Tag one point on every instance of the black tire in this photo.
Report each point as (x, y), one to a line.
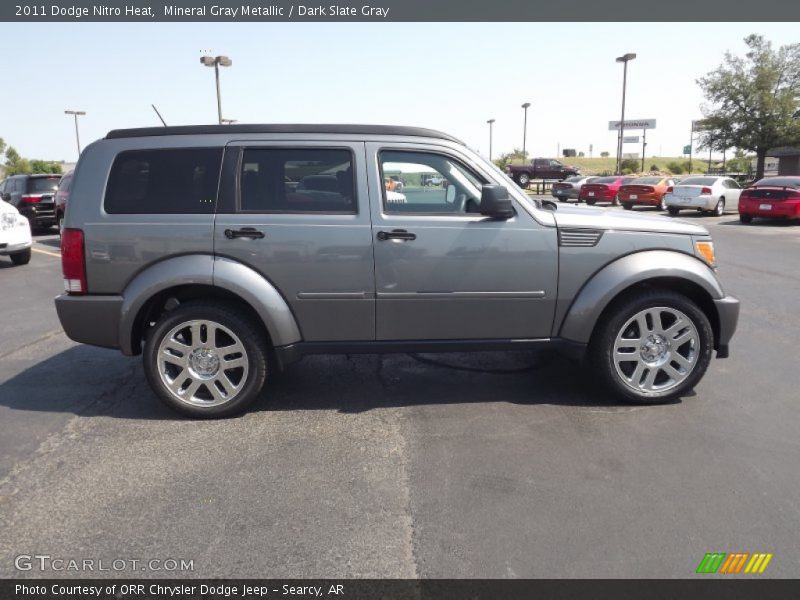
(21, 258)
(627, 206)
(523, 180)
(230, 317)
(719, 209)
(601, 347)
(590, 203)
(662, 205)
(746, 219)
(673, 211)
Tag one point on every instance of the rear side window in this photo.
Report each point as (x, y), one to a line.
(169, 181)
(293, 180)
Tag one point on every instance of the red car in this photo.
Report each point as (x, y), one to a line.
(647, 191)
(62, 194)
(604, 189)
(772, 198)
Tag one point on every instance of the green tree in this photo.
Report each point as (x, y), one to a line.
(15, 164)
(754, 100)
(45, 166)
(516, 156)
(604, 155)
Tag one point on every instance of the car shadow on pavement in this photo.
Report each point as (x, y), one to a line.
(53, 243)
(89, 381)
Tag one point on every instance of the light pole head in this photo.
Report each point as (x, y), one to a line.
(526, 105)
(490, 121)
(78, 113)
(224, 61)
(207, 61)
(626, 57)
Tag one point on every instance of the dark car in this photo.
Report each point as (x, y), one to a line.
(604, 189)
(771, 198)
(541, 168)
(62, 195)
(34, 197)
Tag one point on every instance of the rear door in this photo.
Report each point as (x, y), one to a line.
(442, 270)
(298, 213)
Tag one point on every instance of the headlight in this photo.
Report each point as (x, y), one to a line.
(8, 221)
(705, 250)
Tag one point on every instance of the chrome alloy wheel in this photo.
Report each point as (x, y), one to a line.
(202, 363)
(656, 349)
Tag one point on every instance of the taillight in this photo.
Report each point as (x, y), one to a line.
(73, 261)
(669, 190)
(705, 190)
(29, 199)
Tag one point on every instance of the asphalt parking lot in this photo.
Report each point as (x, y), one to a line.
(370, 466)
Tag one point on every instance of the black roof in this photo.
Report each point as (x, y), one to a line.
(281, 128)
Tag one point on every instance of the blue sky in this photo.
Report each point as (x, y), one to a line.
(449, 76)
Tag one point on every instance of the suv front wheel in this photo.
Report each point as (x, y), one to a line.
(206, 359)
(653, 347)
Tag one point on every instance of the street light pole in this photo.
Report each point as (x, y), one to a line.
(76, 114)
(525, 131)
(217, 62)
(623, 59)
(691, 143)
(491, 123)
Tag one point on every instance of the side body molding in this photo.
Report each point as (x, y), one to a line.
(262, 296)
(205, 269)
(612, 279)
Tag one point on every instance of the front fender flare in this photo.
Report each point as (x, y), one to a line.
(629, 270)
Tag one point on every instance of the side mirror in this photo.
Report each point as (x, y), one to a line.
(495, 202)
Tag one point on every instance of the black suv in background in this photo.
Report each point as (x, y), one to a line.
(33, 196)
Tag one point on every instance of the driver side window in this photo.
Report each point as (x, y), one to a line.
(426, 183)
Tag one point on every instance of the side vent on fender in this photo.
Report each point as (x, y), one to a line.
(579, 238)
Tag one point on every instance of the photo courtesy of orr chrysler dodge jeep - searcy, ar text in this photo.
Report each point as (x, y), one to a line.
(220, 253)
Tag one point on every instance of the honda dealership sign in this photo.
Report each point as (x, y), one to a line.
(633, 124)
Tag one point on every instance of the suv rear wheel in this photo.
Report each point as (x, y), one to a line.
(653, 347)
(523, 179)
(206, 359)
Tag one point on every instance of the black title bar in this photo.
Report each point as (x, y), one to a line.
(148, 11)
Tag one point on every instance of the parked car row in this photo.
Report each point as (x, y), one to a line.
(39, 197)
(770, 197)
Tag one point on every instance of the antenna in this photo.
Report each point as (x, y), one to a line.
(159, 115)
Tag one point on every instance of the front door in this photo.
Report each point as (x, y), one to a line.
(442, 270)
(298, 213)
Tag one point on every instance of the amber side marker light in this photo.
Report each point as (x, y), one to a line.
(706, 250)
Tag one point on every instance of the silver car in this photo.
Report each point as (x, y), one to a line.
(570, 188)
(196, 248)
(707, 194)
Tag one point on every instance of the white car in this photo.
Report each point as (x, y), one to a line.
(396, 198)
(705, 193)
(15, 235)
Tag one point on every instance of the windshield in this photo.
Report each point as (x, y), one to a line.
(699, 181)
(43, 184)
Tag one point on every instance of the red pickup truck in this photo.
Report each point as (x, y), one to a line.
(540, 168)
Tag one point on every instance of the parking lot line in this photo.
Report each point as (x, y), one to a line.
(40, 251)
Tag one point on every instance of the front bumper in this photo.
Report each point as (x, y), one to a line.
(6, 249)
(90, 320)
(15, 239)
(728, 314)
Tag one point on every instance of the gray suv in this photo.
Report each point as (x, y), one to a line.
(221, 253)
